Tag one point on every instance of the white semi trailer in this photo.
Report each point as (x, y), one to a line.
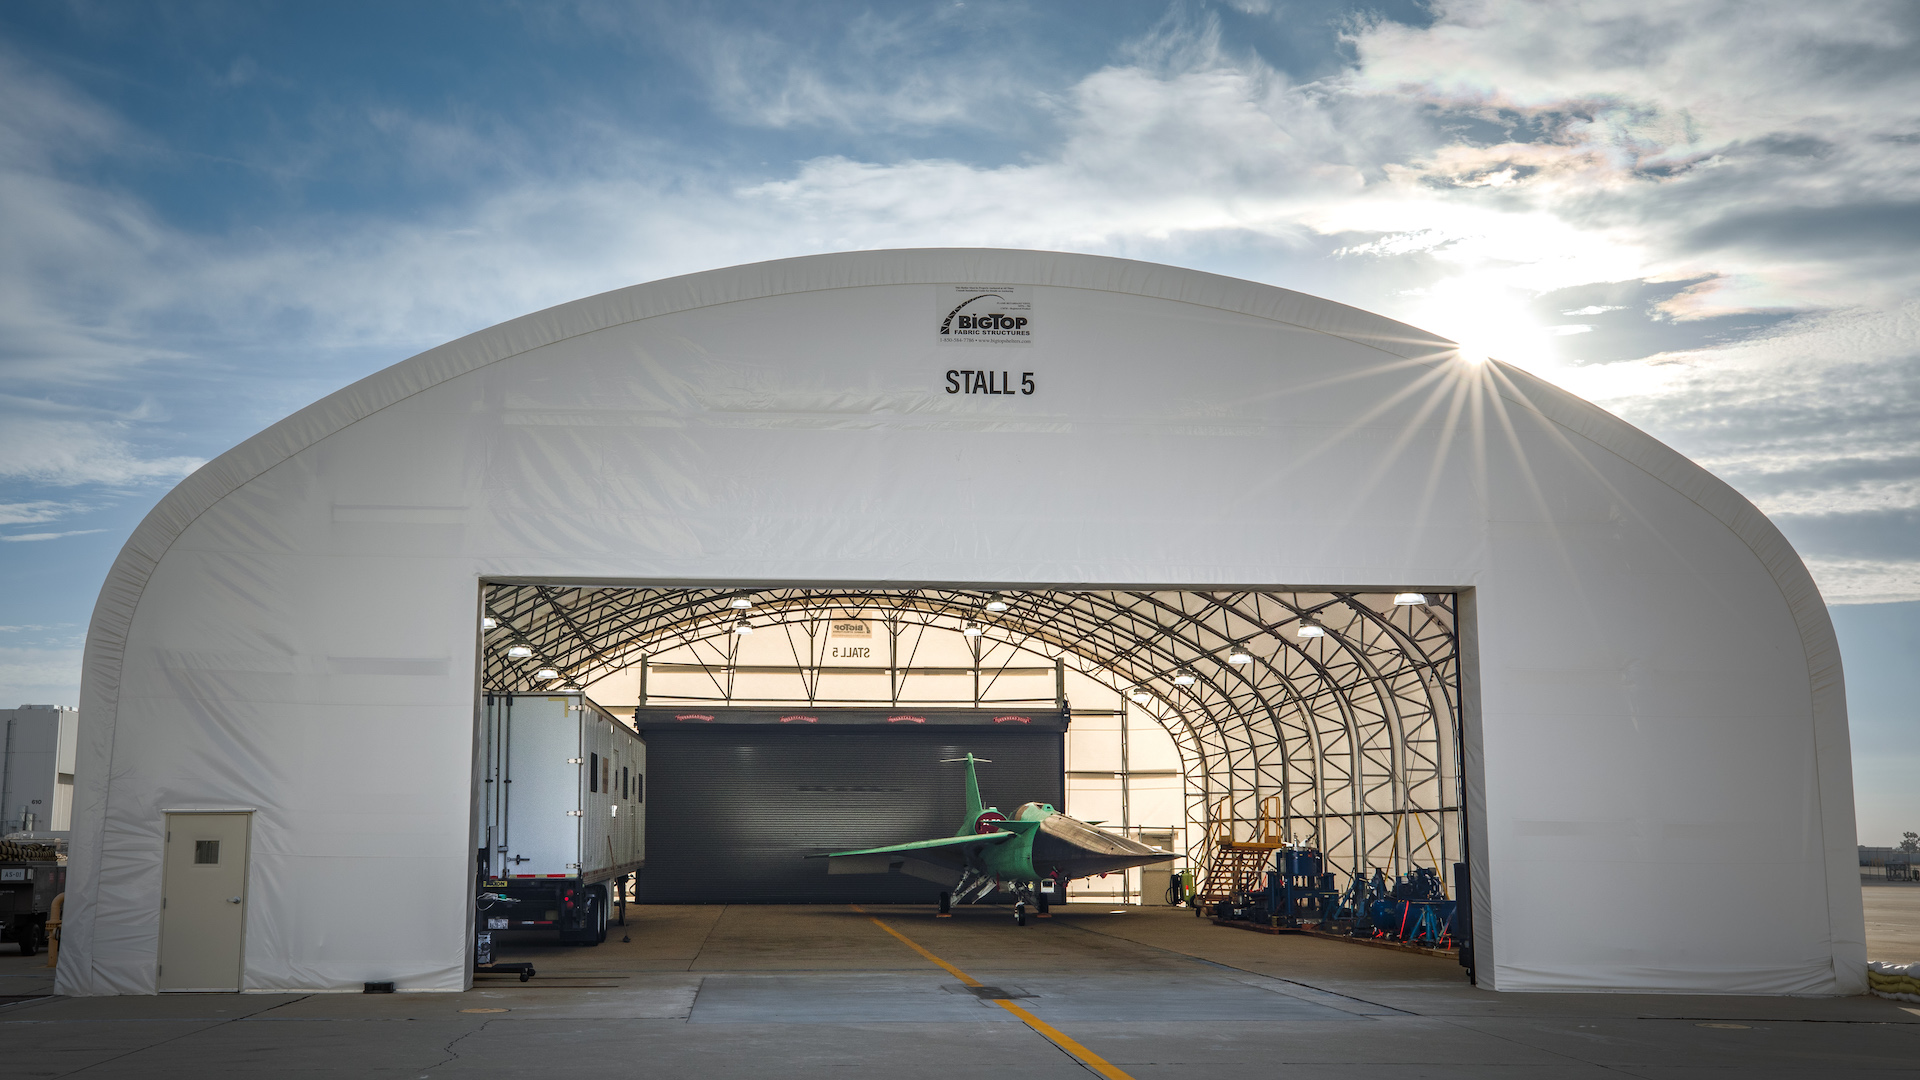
(564, 814)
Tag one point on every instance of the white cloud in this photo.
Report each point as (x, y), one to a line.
(1659, 74)
(880, 73)
(1459, 172)
(68, 452)
(1818, 422)
(1866, 581)
(1833, 496)
(36, 511)
(1190, 142)
(1821, 415)
(21, 537)
(39, 675)
(1147, 157)
(1699, 132)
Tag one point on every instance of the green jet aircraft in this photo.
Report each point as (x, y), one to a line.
(992, 851)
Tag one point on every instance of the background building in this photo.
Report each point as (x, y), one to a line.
(36, 784)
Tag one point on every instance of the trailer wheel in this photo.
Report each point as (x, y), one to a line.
(600, 913)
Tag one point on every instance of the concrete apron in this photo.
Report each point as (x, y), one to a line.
(833, 991)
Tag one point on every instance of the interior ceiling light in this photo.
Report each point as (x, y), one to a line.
(519, 652)
(1183, 677)
(1140, 696)
(546, 673)
(996, 605)
(971, 630)
(1409, 599)
(489, 623)
(740, 603)
(1311, 629)
(1239, 655)
(743, 627)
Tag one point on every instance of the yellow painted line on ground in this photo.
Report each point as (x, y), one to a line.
(1047, 1031)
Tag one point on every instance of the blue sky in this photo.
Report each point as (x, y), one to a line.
(1699, 214)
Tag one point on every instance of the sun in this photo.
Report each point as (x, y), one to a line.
(1487, 319)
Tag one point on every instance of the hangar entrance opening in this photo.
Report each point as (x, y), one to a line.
(781, 722)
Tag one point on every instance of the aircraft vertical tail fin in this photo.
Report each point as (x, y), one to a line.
(974, 805)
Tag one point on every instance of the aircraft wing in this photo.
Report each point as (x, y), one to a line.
(943, 852)
(927, 848)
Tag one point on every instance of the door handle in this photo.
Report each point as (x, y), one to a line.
(233, 899)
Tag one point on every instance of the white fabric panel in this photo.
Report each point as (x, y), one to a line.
(1660, 718)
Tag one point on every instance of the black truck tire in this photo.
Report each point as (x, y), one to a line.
(29, 934)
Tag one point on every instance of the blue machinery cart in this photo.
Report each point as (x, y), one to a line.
(1300, 894)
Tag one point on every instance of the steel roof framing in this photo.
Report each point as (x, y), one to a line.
(1356, 733)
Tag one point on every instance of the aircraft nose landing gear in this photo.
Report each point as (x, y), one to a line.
(1023, 898)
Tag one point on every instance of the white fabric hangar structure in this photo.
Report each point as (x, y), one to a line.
(1638, 688)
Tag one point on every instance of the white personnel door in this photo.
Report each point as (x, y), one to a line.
(203, 906)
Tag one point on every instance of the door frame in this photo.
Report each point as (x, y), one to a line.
(246, 893)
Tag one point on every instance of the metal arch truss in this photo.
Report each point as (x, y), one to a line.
(1346, 740)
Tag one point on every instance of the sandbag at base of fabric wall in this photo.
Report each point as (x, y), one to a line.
(731, 812)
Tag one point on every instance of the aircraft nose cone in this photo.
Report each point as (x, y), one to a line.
(1077, 849)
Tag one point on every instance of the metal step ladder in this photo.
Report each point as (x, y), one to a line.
(1236, 867)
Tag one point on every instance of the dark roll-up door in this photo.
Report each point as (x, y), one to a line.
(731, 810)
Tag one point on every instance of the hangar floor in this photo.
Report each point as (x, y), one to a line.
(831, 991)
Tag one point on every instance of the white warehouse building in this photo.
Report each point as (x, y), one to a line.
(1404, 604)
(36, 768)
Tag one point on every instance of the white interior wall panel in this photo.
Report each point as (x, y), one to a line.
(1657, 703)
